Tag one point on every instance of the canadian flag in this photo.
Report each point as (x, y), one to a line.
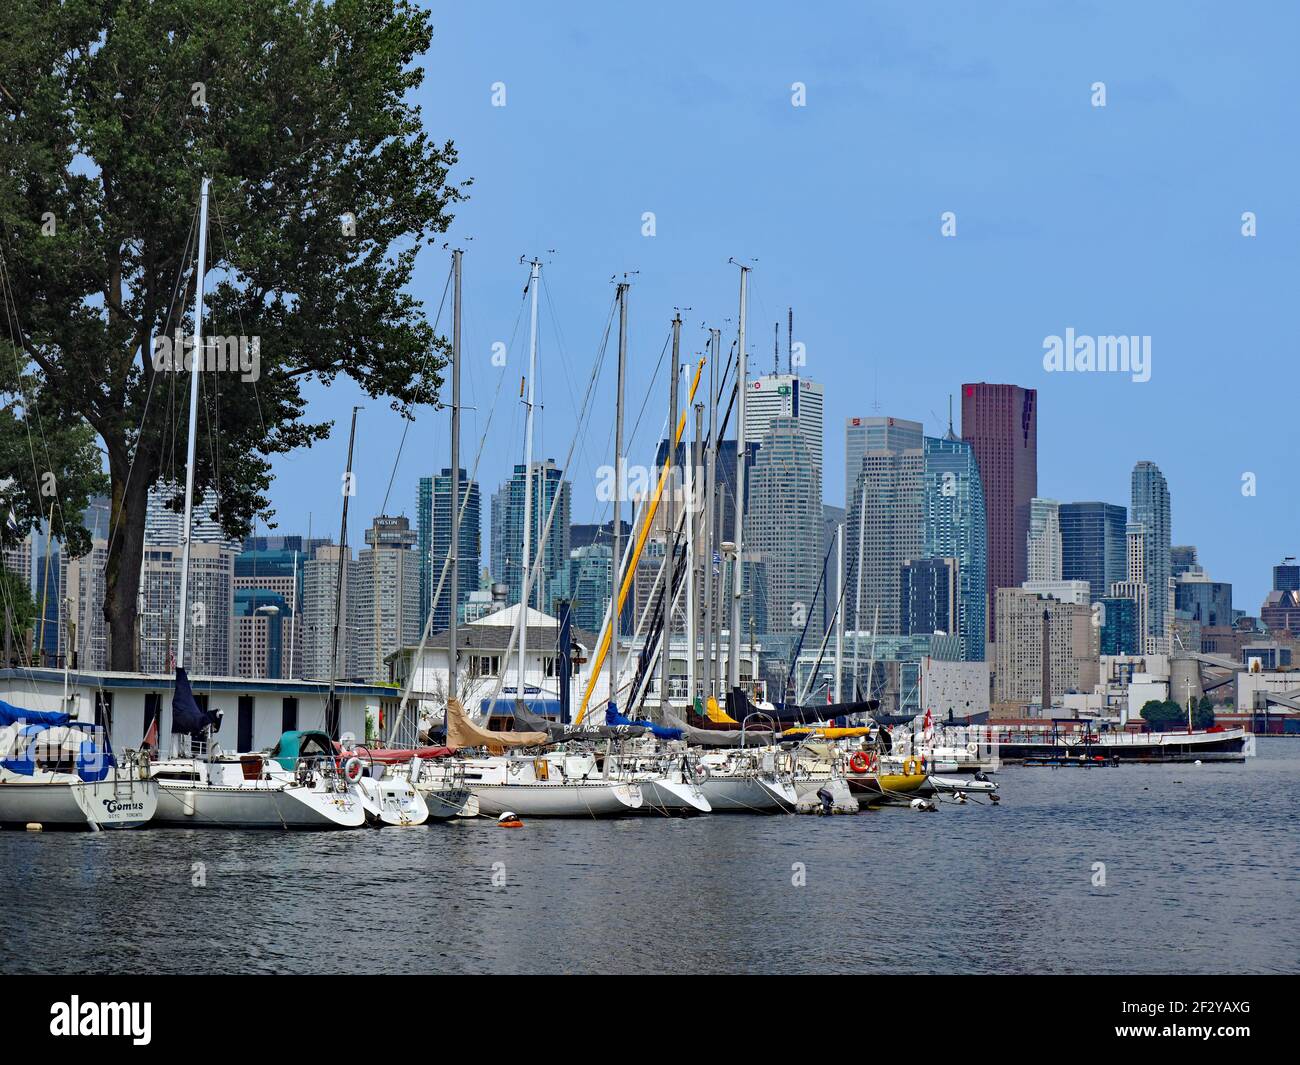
(151, 737)
(929, 723)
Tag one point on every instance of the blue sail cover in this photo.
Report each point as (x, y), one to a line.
(13, 715)
(663, 732)
(187, 715)
(92, 760)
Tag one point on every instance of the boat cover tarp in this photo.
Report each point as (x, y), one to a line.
(715, 713)
(527, 721)
(625, 724)
(700, 737)
(187, 715)
(16, 715)
(20, 744)
(301, 743)
(462, 732)
(739, 706)
(395, 755)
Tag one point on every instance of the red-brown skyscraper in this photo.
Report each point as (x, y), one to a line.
(1001, 424)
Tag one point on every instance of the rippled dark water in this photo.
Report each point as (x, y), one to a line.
(1201, 868)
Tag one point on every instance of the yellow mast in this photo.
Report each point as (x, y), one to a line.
(603, 649)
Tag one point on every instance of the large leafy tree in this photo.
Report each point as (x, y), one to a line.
(324, 187)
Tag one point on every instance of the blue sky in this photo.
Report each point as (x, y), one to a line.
(1117, 220)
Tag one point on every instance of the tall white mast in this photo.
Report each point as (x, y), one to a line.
(737, 567)
(616, 525)
(454, 547)
(196, 363)
(528, 480)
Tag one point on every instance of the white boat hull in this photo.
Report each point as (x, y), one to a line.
(266, 806)
(94, 805)
(672, 797)
(748, 794)
(391, 802)
(446, 804)
(591, 799)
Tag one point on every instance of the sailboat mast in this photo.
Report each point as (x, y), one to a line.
(332, 718)
(670, 515)
(528, 480)
(737, 567)
(839, 613)
(711, 526)
(616, 525)
(196, 364)
(454, 548)
(857, 607)
(693, 563)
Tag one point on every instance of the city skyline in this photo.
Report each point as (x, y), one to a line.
(869, 325)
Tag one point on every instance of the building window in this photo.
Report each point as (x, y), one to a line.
(244, 735)
(288, 714)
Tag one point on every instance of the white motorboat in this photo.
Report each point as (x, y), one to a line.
(65, 776)
(296, 786)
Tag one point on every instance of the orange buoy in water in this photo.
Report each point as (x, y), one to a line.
(509, 819)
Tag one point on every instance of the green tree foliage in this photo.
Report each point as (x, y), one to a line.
(324, 187)
(17, 608)
(1163, 715)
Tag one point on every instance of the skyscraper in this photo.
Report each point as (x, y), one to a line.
(1001, 422)
(778, 395)
(928, 597)
(1092, 544)
(1043, 549)
(386, 599)
(508, 531)
(875, 434)
(1149, 507)
(955, 527)
(785, 527)
(1182, 557)
(319, 587)
(886, 528)
(433, 522)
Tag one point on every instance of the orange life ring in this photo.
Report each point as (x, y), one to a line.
(859, 763)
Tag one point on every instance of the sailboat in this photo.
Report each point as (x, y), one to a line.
(62, 773)
(298, 785)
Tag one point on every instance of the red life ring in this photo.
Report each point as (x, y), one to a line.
(859, 763)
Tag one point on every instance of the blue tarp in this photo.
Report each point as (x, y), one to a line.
(92, 761)
(12, 715)
(663, 732)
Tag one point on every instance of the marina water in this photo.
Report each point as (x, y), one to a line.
(1201, 872)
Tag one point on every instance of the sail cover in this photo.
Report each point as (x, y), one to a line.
(527, 721)
(622, 722)
(462, 732)
(187, 715)
(701, 737)
(16, 715)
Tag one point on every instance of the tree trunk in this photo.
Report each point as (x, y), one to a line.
(130, 503)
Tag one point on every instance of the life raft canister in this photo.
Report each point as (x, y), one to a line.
(859, 763)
